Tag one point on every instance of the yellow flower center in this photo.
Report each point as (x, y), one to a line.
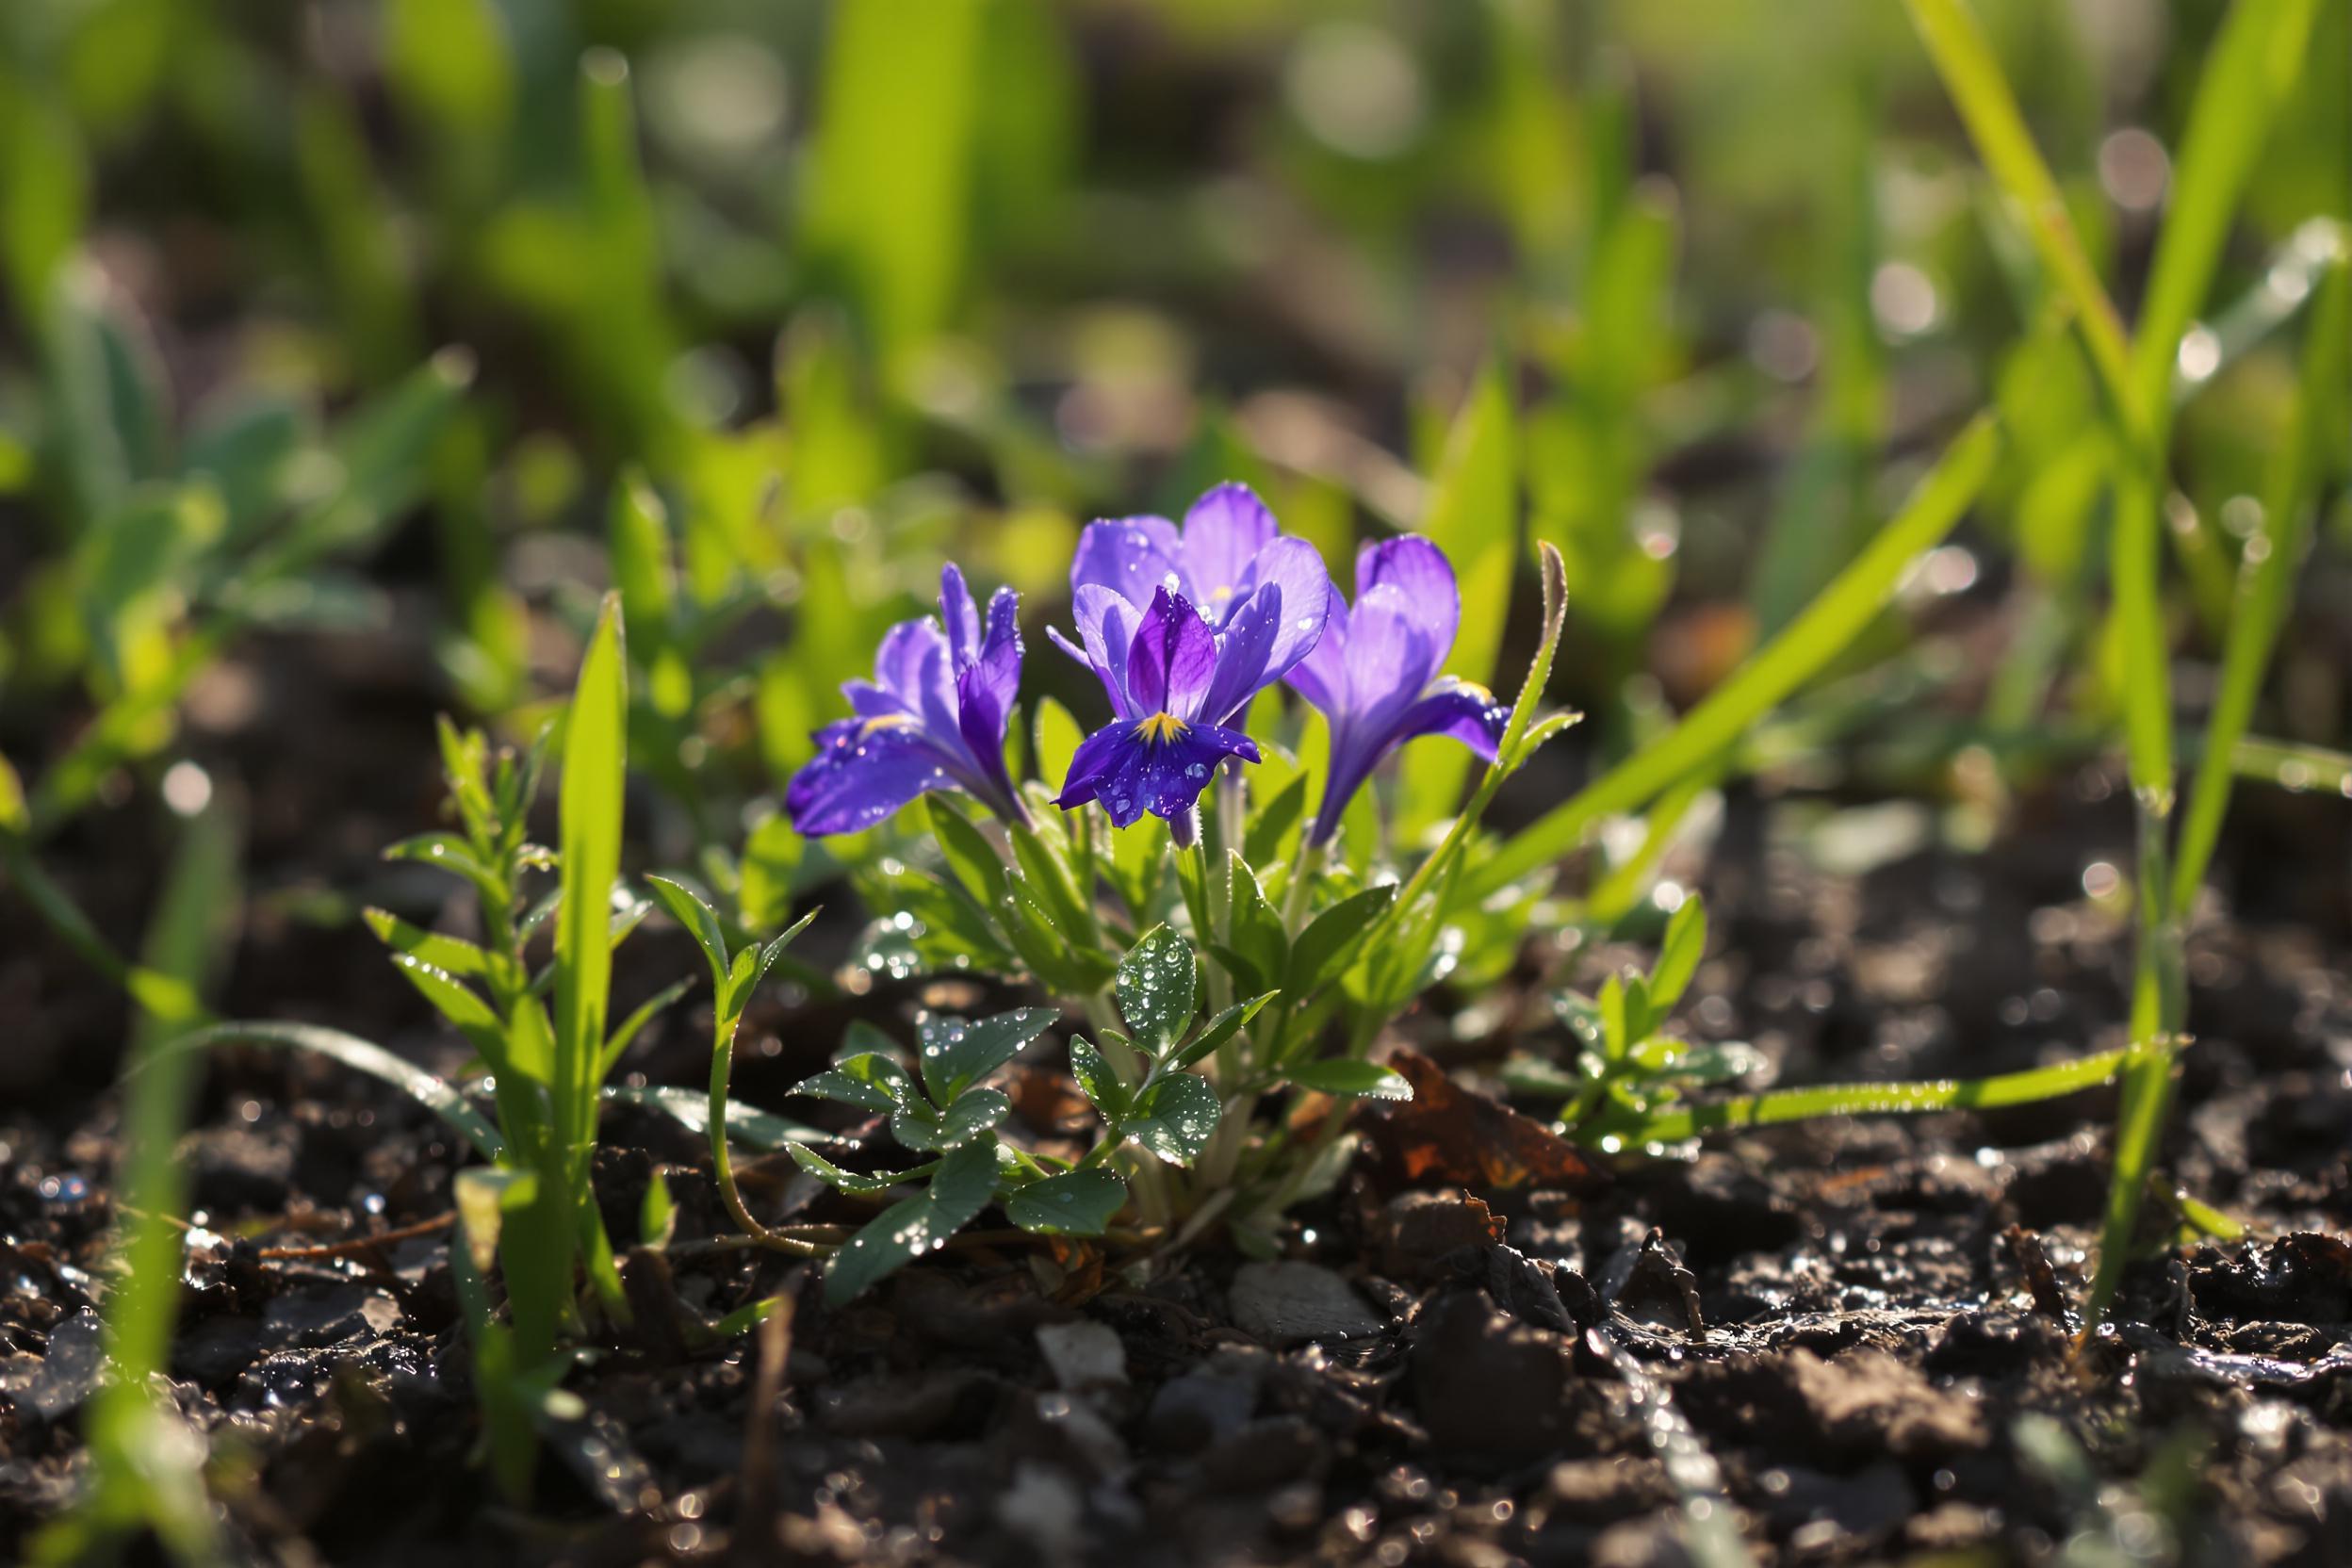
(1161, 726)
(1478, 691)
(884, 721)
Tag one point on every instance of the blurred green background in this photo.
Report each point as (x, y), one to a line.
(441, 315)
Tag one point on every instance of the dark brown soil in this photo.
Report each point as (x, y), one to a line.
(1863, 1322)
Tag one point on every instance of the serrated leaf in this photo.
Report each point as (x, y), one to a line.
(869, 1081)
(962, 1187)
(1325, 946)
(924, 1127)
(1096, 1079)
(1075, 1203)
(1158, 990)
(1172, 1120)
(954, 1054)
(1223, 1028)
(852, 1181)
(1350, 1079)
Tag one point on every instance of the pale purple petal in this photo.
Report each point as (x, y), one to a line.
(899, 664)
(1224, 532)
(1107, 623)
(1458, 709)
(1242, 648)
(1297, 568)
(1321, 677)
(1419, 570)
(1387, 654)
(1133, 557)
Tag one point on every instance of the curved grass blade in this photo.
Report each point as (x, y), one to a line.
(1941, 1094)
(435, 1094)
(1807, 643)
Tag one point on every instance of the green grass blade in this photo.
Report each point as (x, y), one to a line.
(1808, 642)
(433, 1093)
(594, 761)
(1964, 57)
(2291, 767)
(2250, 70)
(2274, 556)
(1942, 1094)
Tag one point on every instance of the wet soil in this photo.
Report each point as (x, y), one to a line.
(1864, 1325)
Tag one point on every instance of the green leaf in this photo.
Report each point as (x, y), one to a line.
(1324, 947)
(460, 1004)
(1058, 737)
(1096, 1079)
(596, 753)
(1172, 1120)
(451, 955)
(1350, 1079)
(657, 1215)
(1830, 623)
(970, 856)
(452, 854)
(685, 906)
(1223, 1028)
(1255, 932)
(1075, 1203)
(1679, 956)
(924, 1127)
(956, 1054)
(961, 1187)
(1044, 857)
(869, 1081)
(852, 1181)
(1273, 822)
(1158, 990)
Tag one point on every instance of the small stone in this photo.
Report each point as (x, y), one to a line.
(1284, 1303)
(1082, 1355)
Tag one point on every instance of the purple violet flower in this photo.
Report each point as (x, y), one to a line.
(1375, 671)
(1175, 675)
(1163, 678)
(933, 717)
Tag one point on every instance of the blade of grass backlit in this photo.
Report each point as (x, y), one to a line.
(147, 1467)
(1841, 1099)
(2249, 71)
(594, 757)
(1964, 57)
(2273, 557)
(1810, 641)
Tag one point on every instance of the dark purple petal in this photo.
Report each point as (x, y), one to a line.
(960, 616)
(984, 697)
(1223, 533)
(999, 653)
(1430, 595)
(1171, 659)
(1321, 677)
(1459, 708)
(1297, 568)
(864, 770)
(1133, 557)
(1242, 647)
(1158, 765)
